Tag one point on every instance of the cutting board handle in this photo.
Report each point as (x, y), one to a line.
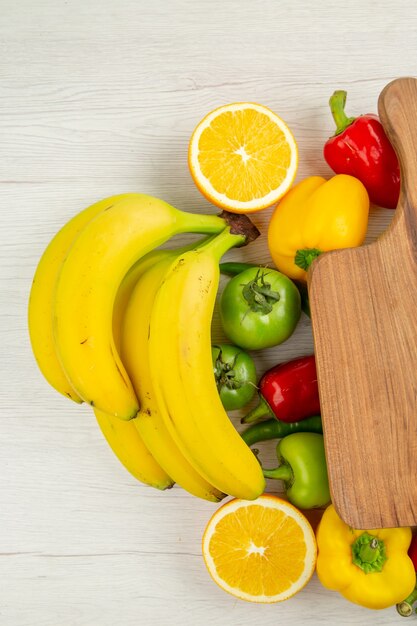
(397, 106)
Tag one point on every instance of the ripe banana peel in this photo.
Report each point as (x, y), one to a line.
(42, 294)
(86, 288)
(182, 372)
(81, 290)
(123, 437)
(149, 422)
(128, 446)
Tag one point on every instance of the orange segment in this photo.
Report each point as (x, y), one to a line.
(261, 551)
(243, 157)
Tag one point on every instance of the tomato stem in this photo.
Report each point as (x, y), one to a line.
(259, 295)
(224, 372)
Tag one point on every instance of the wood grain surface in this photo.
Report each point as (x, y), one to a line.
(99, 98)
(365, 335)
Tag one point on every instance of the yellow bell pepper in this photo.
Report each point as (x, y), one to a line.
(368, 567)
(315, 216)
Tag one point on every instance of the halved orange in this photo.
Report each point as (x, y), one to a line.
(261, 551)
(243, 157)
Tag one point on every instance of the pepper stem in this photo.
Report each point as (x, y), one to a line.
(304, 258)
(283, 472)
(405, 608)
(337, 106)
(368, 553)
(262, 409)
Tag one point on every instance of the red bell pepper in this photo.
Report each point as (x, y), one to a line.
(288, 392)
(361, 148)
(412, 551)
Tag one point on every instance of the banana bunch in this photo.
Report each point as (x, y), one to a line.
(126, 327)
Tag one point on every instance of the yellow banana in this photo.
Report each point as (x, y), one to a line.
(128, 284)
(123, 437)
(128, 446)
(149, 421)
(41, 297)
(86, 289)
(182, 372)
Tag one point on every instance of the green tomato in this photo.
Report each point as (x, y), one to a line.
(235, 375)
(259, 308)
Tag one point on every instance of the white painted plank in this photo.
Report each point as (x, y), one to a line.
(98, 98)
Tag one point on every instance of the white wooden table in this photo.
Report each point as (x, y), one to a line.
(100, 97)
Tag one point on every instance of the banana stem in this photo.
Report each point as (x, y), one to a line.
(222, 243)
(239, 232)
(241, 225)
(199, 223)
(238, 225)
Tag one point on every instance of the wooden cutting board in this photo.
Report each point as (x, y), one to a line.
(364, 317)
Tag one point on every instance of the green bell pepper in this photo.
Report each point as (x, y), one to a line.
(303, 470)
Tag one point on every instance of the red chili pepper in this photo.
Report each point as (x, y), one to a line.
(361, 148)
(412, 551)
(288, 392)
